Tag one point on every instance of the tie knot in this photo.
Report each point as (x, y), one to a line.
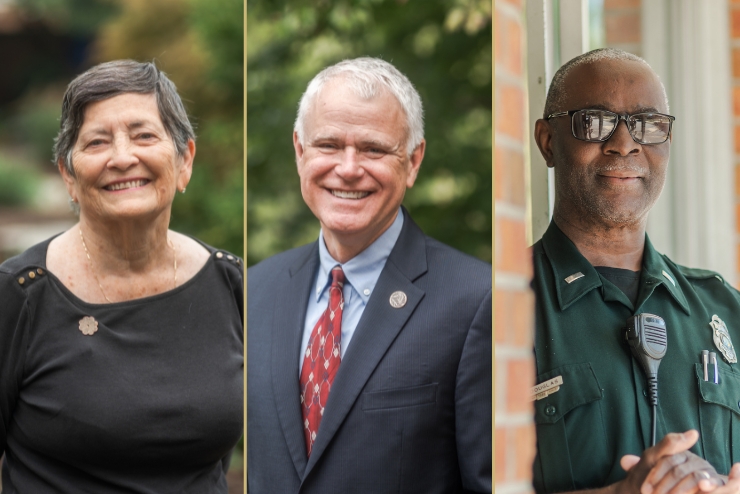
(337, 276)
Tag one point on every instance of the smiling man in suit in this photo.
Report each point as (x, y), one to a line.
(369, 350)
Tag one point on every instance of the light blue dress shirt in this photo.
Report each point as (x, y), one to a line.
(361, 273)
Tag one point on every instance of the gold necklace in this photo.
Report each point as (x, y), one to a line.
(92, 269)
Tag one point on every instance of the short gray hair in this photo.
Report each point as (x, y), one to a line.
(366, 77)
(110, 79)
(557, 92)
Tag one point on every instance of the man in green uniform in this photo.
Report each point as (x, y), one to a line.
(594, 269)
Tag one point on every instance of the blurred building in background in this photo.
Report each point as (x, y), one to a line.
(695, 49)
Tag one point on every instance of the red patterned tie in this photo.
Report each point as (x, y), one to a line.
(322, 359)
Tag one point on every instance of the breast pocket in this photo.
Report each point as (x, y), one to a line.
(400, 397)
(719, 417)
(570, 428)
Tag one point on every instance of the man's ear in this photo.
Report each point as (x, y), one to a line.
(298, 147)
(417, 155)
(543, 137)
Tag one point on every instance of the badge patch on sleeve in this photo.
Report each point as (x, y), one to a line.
(722, 339)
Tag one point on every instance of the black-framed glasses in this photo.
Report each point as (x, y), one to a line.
(593, 125)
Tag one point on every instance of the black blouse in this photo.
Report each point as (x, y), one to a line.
(152, 402)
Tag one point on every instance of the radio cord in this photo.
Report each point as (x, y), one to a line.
(653, 390)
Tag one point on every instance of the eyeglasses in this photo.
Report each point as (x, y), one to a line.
(599, 125)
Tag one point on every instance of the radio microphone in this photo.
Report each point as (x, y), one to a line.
(648, 339)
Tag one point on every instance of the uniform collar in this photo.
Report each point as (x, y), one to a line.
(575, 276)
(659, 272)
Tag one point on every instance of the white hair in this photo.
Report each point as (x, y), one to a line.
(367, 77)
(557, 92)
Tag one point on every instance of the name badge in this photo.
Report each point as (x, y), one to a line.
(546, 388)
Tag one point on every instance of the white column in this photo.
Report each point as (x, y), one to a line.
(687, 43)
(540, 61)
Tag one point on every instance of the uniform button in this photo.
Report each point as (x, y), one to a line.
(230, 257)
(550, 410)
(366, 291)
(21, 280)
(40, 271)
(219, 254)
(31, 274)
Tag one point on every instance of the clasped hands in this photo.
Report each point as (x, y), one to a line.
(670, 468)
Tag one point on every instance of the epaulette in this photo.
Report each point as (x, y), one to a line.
(699, 274)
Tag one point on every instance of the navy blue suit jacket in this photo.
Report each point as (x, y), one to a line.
(410, 406)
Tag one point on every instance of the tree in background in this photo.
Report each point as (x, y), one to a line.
(443, 46)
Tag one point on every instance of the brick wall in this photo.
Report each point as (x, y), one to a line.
(734, 6)
(514, 304)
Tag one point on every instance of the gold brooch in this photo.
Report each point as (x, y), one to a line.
(88, 325)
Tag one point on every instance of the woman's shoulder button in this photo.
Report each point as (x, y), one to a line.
(25, 275)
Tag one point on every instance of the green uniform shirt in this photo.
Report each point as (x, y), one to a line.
(601, 411)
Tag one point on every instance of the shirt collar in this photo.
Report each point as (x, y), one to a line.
(363, 270)
(575, 276)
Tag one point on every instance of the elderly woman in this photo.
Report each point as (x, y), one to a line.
(121, 348)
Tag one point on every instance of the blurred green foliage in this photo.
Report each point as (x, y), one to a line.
(17, 184)
(36, 121)
(443, 46)
(79, 17)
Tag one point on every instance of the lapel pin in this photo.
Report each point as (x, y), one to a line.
(398, 299)
(669, 278)
(88, 325)
(722, 339)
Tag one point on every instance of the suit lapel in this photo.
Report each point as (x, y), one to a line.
(378, 328)
(286, 341)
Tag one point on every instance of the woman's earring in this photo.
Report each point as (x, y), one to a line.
(183, 190)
